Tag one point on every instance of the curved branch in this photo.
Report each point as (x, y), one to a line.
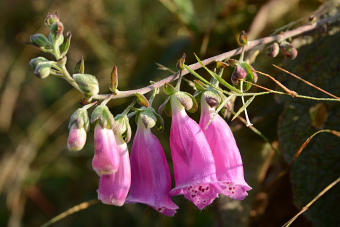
(252, 44)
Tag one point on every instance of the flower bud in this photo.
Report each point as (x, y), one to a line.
(273, 50)
(42, 70)
(66, 44)
(245, 72)
(87, 83)
(57, 30)
(243, 39)
(288, 50)
(76, 139)
(40, 41)
(180, 62)
(36, 61)
(51, 18)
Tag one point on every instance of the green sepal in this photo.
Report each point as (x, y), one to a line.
(165, 107)
(87, 84)
(159, 122)
(43, 70)
(148, 117)
(36, 61)
(169, 89)
(102, 115)
(79, 67)
(80, 118)
(51, 18)
(39, 40)
(114, 79)
(187, 100)
(57, 29)
(212, 98)
(142, 100)
(66, 44)
(200, 85)
(121, 126)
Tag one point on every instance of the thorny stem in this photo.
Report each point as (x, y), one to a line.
(221, 57)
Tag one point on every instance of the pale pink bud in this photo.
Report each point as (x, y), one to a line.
(77, 138)
(113, 188)
(150, 174)
(229, 167)
(106, 156)
(194, 165)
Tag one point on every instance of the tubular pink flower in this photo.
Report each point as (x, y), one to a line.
(150, 174)
(113, 188)
(106, 157)
(229, 167)
(194, 165)
(77, 138)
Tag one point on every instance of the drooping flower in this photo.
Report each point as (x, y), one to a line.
(106, 156)
(194, 165)
(150, 174)
(105, 160)
(229, 167)
(113, 188)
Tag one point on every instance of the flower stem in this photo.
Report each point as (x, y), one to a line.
(245, 110)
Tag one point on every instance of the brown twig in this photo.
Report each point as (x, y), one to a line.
(264, 88)
(311, 202)
(305, 81)
(290, 92)
(221, 57)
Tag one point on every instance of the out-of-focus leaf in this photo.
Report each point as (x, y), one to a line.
(318, 165)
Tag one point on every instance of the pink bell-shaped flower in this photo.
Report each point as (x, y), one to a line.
(193, 162)
(113, 188)
(106, 156)
(150, 174)
(229, 167)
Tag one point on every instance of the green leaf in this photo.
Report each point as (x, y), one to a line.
(243, 107)
(216, 77)
(79, 67)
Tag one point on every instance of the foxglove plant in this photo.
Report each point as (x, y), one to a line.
(228, 161)
(150, 174)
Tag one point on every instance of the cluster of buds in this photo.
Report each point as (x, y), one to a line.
(286, 48)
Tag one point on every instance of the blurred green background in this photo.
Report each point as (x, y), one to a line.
(40, 178)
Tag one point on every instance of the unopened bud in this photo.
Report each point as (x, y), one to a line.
(243, 39)
(51, 18)
(35, 61)
(40, 41)
(76, 139)
(180, 62)
(288, 50)
(57, 30)
(273, 50)
(87, 83)
(244, 71)
(43, 70)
